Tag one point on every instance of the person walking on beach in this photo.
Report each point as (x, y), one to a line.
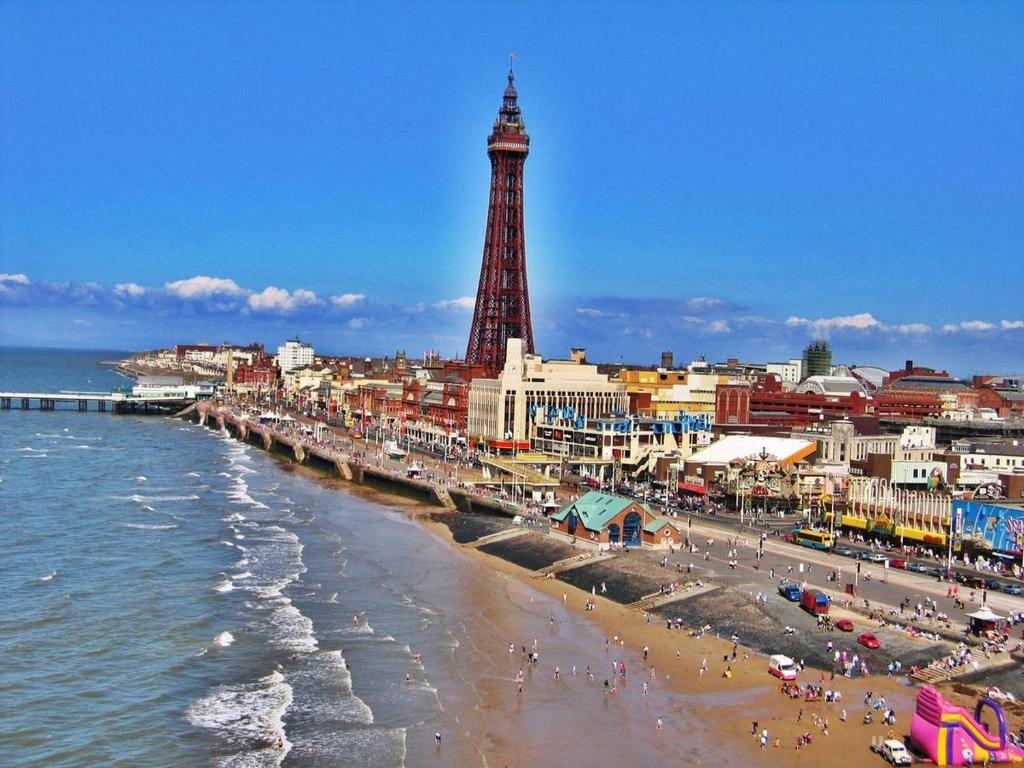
(703, 667)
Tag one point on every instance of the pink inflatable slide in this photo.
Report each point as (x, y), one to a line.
(950, 735)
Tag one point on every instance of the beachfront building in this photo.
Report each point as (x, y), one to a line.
(664, 394)
(875, 506)
(294, 354)
(629, 447)
(754, 472)
(996, 527)
(606, 520)
(527, 388)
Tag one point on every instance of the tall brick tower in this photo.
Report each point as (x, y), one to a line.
(502, 309)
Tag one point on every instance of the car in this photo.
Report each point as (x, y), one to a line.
(844, 625)
(1013, 589)
(917, 568)
(894, 752)
(868, 640)
(844, 551)
(877, 557)
(992, 584)
(863, 555)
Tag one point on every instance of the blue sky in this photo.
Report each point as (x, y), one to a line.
(726, 179)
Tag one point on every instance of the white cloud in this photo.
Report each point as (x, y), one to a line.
(1011, 325)
(968, 325)
(590, 312)
(463, 303)
(80, 321)
(347, 299)
(130, 290)
(862, 321)
(357, 323)
(19, 278)
(704, 303)
(274, 299)
(913, 328)
(718, 326)
(201, 286)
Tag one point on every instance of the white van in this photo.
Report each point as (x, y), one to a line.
(782, 667)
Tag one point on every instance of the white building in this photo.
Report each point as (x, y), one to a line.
(500, 409)
(789, 372)
(294, 354)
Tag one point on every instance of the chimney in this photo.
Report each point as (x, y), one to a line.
(909, 367)
(578, 355)
(666, 360)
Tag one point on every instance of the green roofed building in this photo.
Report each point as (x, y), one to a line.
(607, 520)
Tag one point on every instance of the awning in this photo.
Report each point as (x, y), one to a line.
(693, 488)
(985, 614)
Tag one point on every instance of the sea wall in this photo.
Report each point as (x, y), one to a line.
(290, 449)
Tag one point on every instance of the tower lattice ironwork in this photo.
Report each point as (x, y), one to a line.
(502, 310)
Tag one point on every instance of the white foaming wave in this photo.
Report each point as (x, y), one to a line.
(249, 717)
(242, 575)
(333, 599)
(145, 527)
(354, 708)
(48, 577)
(83, 447)
(141, 479)
(148, 508)
(234, 517)
(223, 639)
(362, 628)
(239, 535)
(30, 450)
(192, 474)
(224, 585)
(241, 563)
(293, 629)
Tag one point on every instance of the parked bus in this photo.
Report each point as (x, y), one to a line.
(813, 539)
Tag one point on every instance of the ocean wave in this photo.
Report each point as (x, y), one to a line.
(48, 577)
(145, 527)
(139, 499)
(192, 474)
(234, 517)
(224, 585)
(248, 717)
(242, 575)
(223, 639)
(141, 479)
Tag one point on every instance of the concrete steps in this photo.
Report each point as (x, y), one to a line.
(508, 533)
(584, 558)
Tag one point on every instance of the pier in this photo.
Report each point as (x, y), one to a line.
(131, 401)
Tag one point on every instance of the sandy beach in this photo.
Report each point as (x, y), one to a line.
(706, 718)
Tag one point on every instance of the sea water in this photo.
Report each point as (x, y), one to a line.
(159, 607)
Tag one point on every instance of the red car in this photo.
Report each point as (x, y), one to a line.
(845, 625)
(868, 640)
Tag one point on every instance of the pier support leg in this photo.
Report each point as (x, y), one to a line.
(5, 403)
(24, 403)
